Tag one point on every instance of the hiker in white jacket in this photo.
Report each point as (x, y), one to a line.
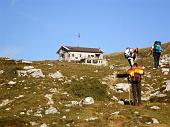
(131, 54)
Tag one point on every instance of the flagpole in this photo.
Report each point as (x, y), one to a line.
(78, 40)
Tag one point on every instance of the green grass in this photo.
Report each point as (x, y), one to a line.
(86, 80)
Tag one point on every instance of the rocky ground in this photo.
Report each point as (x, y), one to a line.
(60, 94)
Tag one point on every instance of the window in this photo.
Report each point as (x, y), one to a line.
(72, 55)
(97, 55)
(88, 61)
(80, 55)
(92, 55)
(95, 61)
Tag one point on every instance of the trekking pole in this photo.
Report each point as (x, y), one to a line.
(129, 96)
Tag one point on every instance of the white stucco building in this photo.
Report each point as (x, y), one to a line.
(92, 56)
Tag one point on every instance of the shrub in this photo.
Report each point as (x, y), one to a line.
(88, 87)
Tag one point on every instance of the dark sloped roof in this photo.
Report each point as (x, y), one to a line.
(81, 49)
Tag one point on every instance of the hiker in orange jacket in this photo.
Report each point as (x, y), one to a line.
(135, 79)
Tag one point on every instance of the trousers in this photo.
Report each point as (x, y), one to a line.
(136, 91)
(131, 61)
(156, 56)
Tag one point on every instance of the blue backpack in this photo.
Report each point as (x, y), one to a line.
(158, 48)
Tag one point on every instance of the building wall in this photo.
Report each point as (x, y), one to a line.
(77, 56)
(89, 58)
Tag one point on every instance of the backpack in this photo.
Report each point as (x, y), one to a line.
(157, 47)
(129, 53)
(135, 75)
(134, 79)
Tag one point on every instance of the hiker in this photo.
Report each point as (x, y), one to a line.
(135, 79)
(156, 51)
(131, 55)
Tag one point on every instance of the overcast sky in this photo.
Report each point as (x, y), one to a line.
(35, 29)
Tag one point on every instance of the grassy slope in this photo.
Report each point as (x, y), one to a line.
(34, 91)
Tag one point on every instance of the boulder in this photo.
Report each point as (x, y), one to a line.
(36, 73)
(165, 71)
(87, 101)
(51, 110)
(43, 125)
(57, 74)
(1, 72)
(26, 61)
(155, 107)
(21, 73)
(11, 83)
(167, 85)
(122, 86)
(28, 67)
(155, 121)
(30, 70)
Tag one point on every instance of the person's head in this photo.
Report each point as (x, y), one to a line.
(157, 42)
(135, 65)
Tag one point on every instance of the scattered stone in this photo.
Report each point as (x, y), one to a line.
(1, 72)
(28, 67)
(33, 123)
(50, 65)
(11, 83)
(165, 60)
(21, 73)
(122, 86)
(5, 102)
(155, 107)
(165, 71)
(161, 95)
(64, 117)
(67, 110)
(25, 61)
(57, 74)
(54, 90)
(73, 103)
(137, 113)
(96, 71)
(111, 67)
(49, 97)
(116, 113)
(36, 73)
(51, 110)
(114, 98)
(155, 121)
(145, 98)
(121, 102)
(20, 96)
(7, 109)
(87, 101)
(28, 112)
(167, 85)
(91, 119)
(81, 78)
(38, 113)
(22, 113)
(43, 125)
(30, 70)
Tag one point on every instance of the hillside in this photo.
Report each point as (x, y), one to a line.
(52, 93)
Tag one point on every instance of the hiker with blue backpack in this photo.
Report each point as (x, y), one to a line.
(156, 51)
